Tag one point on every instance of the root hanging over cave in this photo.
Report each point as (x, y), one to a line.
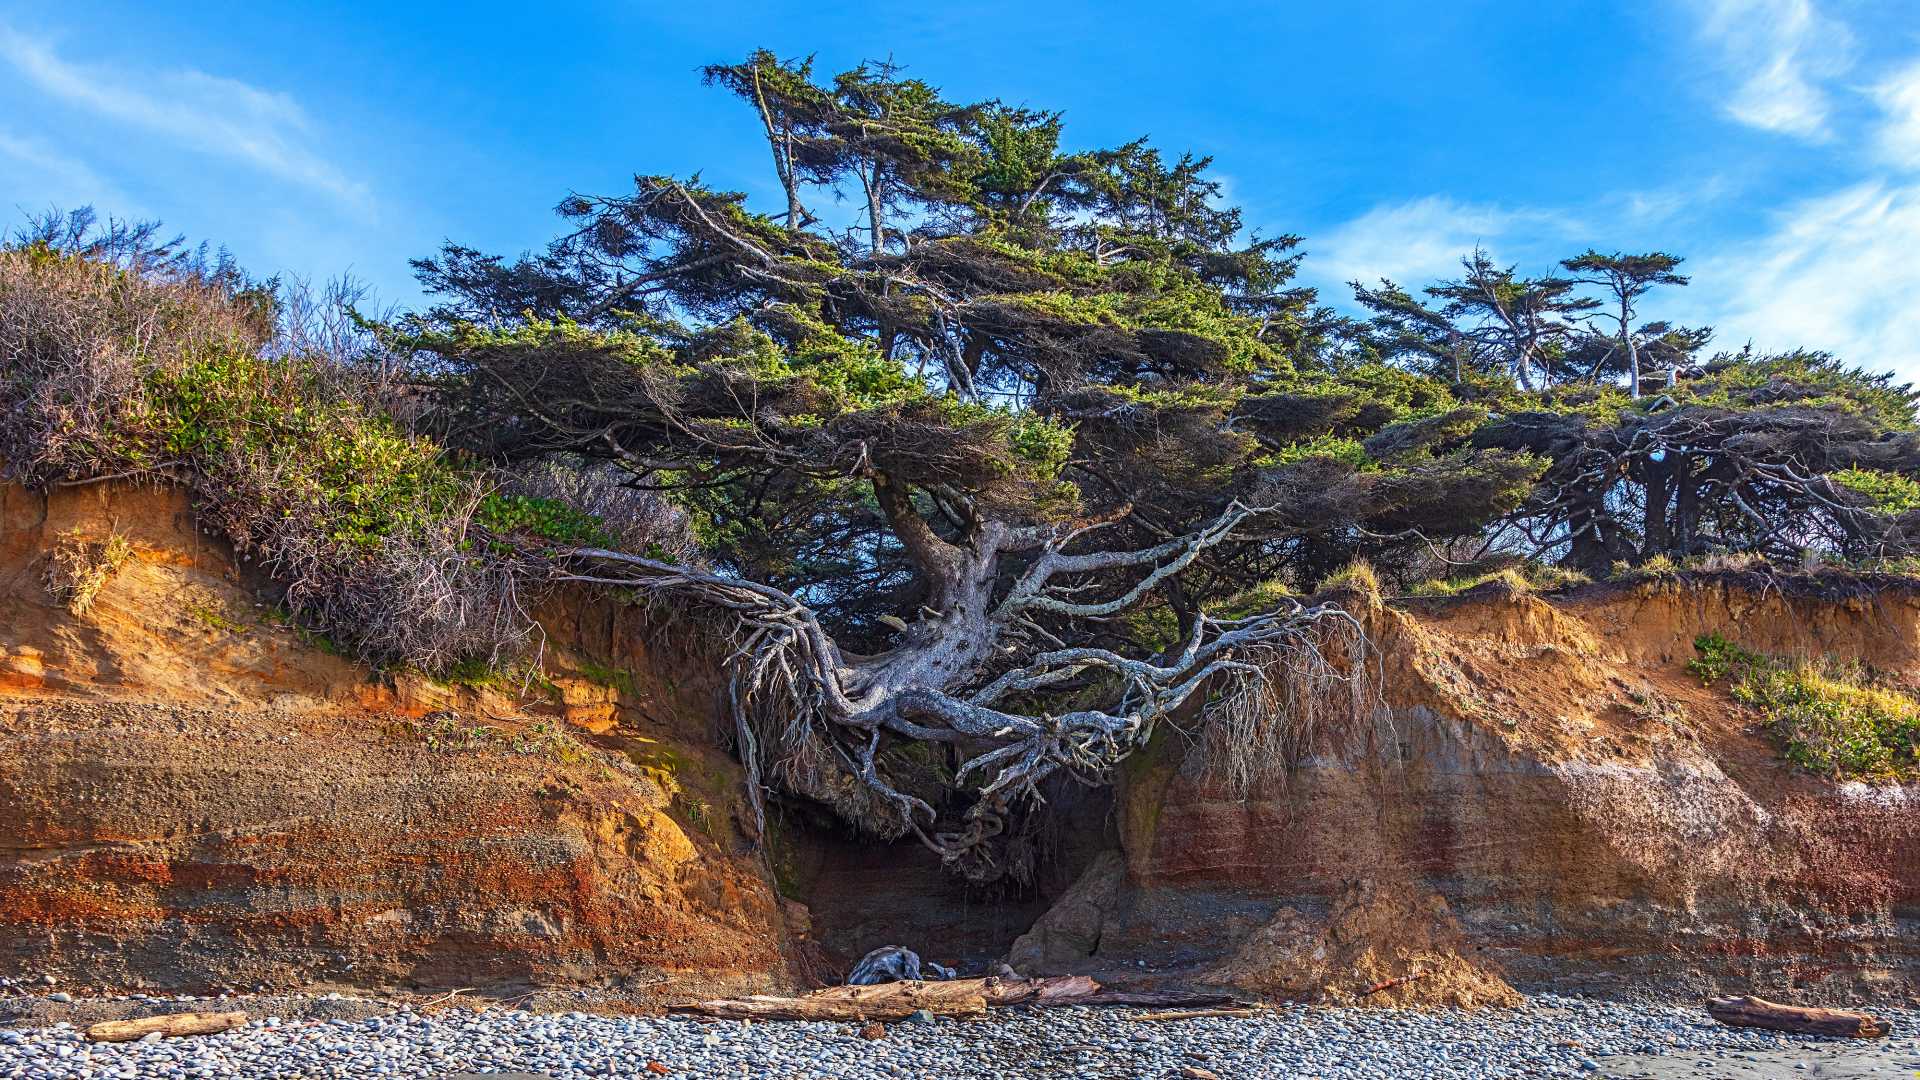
(1314, 692)
(987, 676)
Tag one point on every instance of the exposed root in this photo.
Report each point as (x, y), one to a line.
(815, 721)
(1312, 692)
(77, 569)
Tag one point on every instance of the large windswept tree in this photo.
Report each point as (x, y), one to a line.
(980, 433)
(1655, 451)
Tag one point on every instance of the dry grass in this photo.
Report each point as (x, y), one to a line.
(121, 367)
(77, 569)
(1358, 578)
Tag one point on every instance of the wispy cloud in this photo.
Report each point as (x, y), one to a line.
(1780, 53)
(1835, 272)
(30, 164)
(1420, 240)
(1899, 99)
(206, 113)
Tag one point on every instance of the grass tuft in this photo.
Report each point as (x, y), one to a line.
(1828, 717)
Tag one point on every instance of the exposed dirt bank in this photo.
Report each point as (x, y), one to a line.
(1551, 798)
(192, 795)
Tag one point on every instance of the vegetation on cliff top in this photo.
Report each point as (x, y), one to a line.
(130, 357)
(982, 473)
(1828, 716)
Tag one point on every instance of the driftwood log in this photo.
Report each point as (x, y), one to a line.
(956, 997)
(898, 1000)
(1760, 1013)
(172, 1026)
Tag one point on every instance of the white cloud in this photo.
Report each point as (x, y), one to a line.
(1779, 52)
(1413, 243)
(1836, 273)
(1899, 98)
(207, 113)
(29, 164)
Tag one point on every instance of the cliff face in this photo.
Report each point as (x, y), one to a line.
(1552, 799)
(191, 795)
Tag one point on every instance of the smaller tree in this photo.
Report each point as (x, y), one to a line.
(1626, 278)
(1490, 320)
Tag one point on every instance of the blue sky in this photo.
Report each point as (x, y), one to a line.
(1774, 143)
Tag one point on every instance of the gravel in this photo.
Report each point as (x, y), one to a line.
(343, 1036)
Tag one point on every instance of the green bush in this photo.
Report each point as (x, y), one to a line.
(373, 534)
(1827, 717)
(549, 519)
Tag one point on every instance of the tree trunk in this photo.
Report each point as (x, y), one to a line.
(1686, 507)
(1658, 537)
(1756, 1012)
(171, 1026)
(1626, 338)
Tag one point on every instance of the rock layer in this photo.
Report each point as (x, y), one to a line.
(1550, 776)
(193, 796)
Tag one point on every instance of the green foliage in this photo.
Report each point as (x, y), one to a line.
(1889, 492)
(1827, 717)
(549, 519)
(1719, 658)
(172, 372)
(1332, 448)
(371, 479)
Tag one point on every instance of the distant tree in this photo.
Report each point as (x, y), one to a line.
(1770, 455)
(1490, 319)
(978, 469)
(1625, 279)
(1742, 452)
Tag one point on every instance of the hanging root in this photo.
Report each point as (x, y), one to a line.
(809, 722)
(1311, 692)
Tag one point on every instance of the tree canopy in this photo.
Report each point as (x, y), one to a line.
(987, 439)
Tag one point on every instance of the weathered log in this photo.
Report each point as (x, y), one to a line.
(1760, 1013)
(1194, 1014)
(172, 1026)
(1056, 990)
(898, 1000)
(1165, 999)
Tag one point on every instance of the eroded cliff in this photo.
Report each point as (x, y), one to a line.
(193, 795)
(1550, 799)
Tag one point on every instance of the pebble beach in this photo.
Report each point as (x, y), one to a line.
(336, 1036)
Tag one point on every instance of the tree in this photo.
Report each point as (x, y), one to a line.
(1626, 278)
(981, 476)
(1490, 320)
(1768, 455)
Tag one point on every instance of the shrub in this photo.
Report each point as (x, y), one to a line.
(623, 516)
(1827, 717)
(376, 537)
(1519, 577)
(77, 570)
